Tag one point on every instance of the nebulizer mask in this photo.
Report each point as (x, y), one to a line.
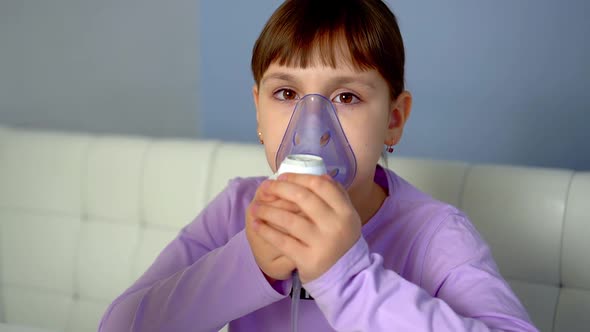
(314, 143)
(314, 129)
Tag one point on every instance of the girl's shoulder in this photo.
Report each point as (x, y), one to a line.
(415, 211)
(426, 230)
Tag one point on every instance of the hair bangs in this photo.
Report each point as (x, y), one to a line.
(325, 48)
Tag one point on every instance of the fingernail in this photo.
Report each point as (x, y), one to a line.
(254, 207)
(283, 176)
(256, 224)
(265, 184)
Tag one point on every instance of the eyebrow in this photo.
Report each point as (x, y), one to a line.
(356, 80)
(338, 80)
(281, 77)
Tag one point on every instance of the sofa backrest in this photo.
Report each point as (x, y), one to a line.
(82, 216)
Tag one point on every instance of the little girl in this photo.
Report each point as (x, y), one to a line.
(378, 255)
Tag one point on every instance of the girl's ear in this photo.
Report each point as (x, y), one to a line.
(401, 108)
(255, 97)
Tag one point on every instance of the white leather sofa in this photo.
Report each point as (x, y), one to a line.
(82, 216)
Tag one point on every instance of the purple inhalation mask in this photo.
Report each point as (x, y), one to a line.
(314, 129)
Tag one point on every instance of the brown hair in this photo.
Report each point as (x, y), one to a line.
(298, 28)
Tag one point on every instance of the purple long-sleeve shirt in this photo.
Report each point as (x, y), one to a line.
(419, 265)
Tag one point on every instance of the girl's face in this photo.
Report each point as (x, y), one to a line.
(368, 115)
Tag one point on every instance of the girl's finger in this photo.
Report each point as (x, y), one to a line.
(262, 195)
(289, 223)
(287, 245)
(282, 204)
(323, 186)
(310, 203)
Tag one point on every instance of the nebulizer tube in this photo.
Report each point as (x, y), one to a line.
(295, 302)
(314, 143)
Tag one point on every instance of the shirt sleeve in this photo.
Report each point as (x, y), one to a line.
(461, 289)
(192, 285)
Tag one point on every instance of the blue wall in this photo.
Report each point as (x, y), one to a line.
(493, 81)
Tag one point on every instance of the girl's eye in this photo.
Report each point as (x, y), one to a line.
(346, 98)
(285, 94)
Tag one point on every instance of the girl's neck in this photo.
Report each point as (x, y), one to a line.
(368, 200)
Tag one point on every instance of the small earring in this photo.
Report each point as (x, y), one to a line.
(260, 138)
(390, 148)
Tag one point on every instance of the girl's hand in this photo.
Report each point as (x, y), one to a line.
(315, 239)
(274, 264)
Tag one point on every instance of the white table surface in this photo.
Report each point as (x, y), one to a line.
(4, 327)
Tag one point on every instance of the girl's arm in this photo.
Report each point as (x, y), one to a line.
(192, 284)
(461, 289)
